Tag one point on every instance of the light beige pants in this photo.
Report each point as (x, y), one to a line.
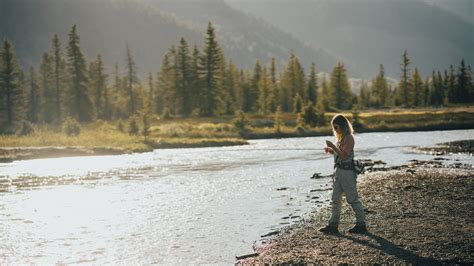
(345, 182)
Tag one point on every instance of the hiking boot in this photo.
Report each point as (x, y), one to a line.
(329, 230)
(358, 229)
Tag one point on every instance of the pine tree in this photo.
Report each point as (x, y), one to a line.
(297, 103)
(446, 88)
(33, 98)
(47, 89)
(226, 98)
(151, 93)
(293, 82)
(290, 73)
(209, 70)
(132, 80)
(404, 86)
(309, 115)
(98, 80)
(253, 94)
(451, 85)
(340, 88)
(232, 87)
(285, 96)
(416, 83)
(440, 88)
(470, 84)
(59, 79)
(183, 74)
(380, 89)
(165, 85)
(273, 70)
(276, 87)
(195, 82)
(436, 96)
(118, 99)
(426, 93)
(265, 95)
(312, 88)
(245, 90)
(300, 79)
(278, 121)
(364, 96)
(11, 90)
(325, 96)
(80, 104)
(463, 84)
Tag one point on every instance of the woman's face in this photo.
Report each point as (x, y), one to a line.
(336, 128)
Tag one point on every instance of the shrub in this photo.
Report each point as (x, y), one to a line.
(196, 112)
(25, 128)
(71, 127)
(320, 115)
(120, 127)
(133, 128)
(166, 113)
(241, 121)
(278, 120)
(309, 115)
(297, 103)
(146, 125)
(356, 121)
(300, 124)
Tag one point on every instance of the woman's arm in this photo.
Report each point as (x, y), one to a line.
(346, 148)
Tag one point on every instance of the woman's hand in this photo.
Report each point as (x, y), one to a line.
(328, 150)
(330, 144)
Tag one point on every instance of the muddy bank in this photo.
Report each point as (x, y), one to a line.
(462, 146)
(421, 213)
(27, 153)
(10, 154)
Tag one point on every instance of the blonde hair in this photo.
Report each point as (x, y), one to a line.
(344, 125)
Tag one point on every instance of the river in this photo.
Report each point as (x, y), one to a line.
(176, 206)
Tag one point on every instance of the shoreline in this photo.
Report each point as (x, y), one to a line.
(410, 217)
(10, 154)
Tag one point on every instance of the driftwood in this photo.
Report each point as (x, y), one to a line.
(271, 233)
(246, 256)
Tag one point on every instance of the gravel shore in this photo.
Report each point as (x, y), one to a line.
(421, 213)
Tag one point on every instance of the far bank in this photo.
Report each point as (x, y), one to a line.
(117, 137)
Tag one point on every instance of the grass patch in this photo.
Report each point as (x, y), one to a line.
(219, 131)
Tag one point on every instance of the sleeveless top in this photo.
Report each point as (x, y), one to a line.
(349, 158)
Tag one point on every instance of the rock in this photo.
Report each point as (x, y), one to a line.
(316, 176)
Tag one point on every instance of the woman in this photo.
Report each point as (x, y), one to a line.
(345, 176)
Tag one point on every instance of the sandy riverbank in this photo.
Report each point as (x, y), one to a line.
(9, 154)
(421, 213)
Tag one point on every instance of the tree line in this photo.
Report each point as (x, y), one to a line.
(193, 82)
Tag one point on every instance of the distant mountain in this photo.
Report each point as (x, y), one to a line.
(104, 27)
(244, 36)
(149, 27)
(366, 33)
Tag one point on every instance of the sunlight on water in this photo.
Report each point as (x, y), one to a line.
(176, 206)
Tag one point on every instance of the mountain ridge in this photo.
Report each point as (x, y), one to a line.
(367, 33)
(108, 26)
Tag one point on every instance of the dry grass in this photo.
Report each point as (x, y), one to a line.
(221, 130)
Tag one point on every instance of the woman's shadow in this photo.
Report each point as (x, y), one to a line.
(389, 248)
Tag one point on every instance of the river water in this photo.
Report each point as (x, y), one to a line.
(176, 206)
